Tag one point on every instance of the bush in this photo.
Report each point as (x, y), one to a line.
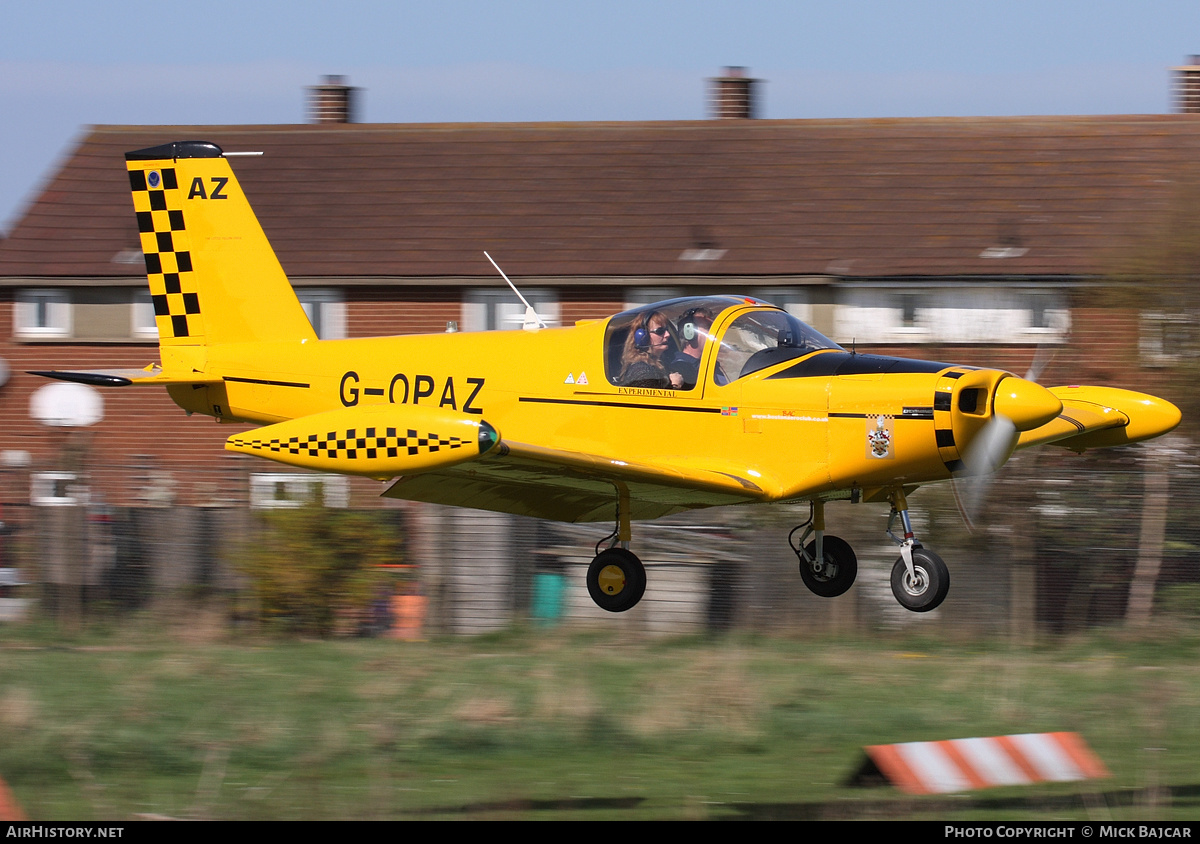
(316, 571)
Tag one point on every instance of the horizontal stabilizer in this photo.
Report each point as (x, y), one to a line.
(1102, 417)
(153, 375)
(378, 441)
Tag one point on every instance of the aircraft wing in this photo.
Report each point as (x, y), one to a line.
(1099, 417)
(569, 486)
(151, 375)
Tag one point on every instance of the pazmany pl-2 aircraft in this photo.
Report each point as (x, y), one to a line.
(695, 402)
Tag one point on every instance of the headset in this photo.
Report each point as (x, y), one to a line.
(641, 335)
(687, 323)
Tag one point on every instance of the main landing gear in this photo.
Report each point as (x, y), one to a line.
(827, 564)
(920, 580)
(616, 579)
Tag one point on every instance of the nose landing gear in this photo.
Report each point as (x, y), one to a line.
(920, 580)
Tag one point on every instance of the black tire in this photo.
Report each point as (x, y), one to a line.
(930, 586)
(616, 580)
(835, 574)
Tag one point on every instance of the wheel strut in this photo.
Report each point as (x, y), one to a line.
(616, 579)
(920, 579)
(900, 509)
(828, 565)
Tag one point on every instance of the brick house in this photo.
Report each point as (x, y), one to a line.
(971, 240)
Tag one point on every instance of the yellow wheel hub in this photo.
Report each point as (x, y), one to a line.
(611, 580)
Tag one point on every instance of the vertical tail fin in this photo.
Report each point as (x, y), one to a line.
(213, 275)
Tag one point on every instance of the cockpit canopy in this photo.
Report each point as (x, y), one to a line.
(663, 345)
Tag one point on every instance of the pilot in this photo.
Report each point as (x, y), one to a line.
(647, 347)
(684, 368)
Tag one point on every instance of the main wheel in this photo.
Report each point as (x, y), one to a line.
(927, 588)
(833, 575)
(616, 580)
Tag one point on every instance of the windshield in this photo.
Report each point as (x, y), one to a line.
(760, 339)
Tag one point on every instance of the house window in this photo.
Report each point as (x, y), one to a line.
(143, 325)
(909, 308)
(326, 310)
(286, 490)
(42, 313)
(1048, 315)
(496, 309)
(795, 300)
(85, 314)
(1166, 338)
(869, 313)
(56, 489)
(635, 297)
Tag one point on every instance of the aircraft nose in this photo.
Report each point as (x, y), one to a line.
(1026, 404)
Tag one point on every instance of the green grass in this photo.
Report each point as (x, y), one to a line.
(185, 720)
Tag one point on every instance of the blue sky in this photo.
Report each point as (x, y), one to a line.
(67, 65)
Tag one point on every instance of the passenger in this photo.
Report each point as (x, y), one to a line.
(684, 368)
(648, 345)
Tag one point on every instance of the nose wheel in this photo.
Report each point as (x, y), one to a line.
(925, 587)
(920, 580)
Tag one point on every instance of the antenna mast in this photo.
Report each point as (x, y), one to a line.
(532, 320)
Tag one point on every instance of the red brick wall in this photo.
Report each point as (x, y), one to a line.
(385, 311)
(590, 303)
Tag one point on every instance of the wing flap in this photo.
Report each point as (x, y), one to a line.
(572, 486)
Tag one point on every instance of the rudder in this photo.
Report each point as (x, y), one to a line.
(213, 276)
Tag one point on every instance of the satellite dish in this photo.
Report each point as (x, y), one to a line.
(66, 405)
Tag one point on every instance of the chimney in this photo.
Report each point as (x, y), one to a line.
(1187, 87)
(332, 101)
(733, 95)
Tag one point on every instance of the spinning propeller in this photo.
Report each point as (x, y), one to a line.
(1019, 404)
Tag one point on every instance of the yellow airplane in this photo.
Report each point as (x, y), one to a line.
(694, 402)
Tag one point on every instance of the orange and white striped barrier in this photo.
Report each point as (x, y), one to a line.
(941, 767)
(9, 810)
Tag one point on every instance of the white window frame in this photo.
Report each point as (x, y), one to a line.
(636, 297)
(42, 313)
(797, 301)
(1152, 340)
(499, 309)
(325, 308)
(56, 489)
(290, 490)
(142, 325)
(951, 314)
